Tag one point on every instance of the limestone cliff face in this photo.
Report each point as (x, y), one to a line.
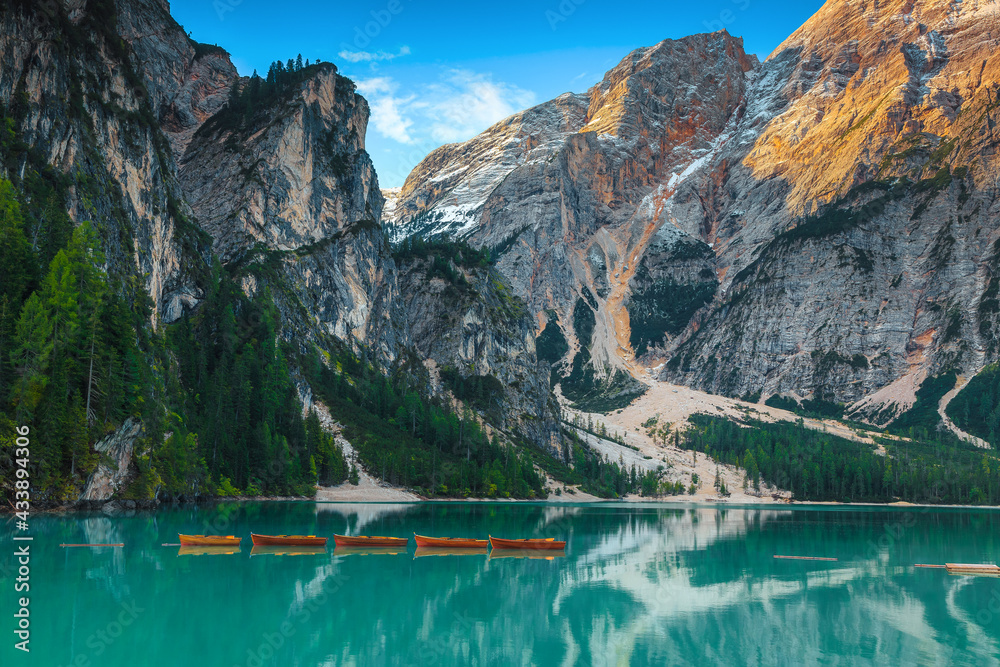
(293, 185)
(295, 173)
(481, 337)
(187, 82)
(295, 180)
(70, 86)
(114, 470)
(822, 224)
(446, 192)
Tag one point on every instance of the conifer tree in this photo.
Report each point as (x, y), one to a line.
(17, 268)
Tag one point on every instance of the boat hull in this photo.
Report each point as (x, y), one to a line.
(369, 541)
(209, 540)
(288, 540)
(533, 544)
(449, 542)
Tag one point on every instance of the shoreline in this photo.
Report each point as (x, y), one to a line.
(670, 500)
(118, 507)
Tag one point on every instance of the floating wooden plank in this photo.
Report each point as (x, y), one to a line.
(973, 568)
(805, 558)
(92, 545)
(936, 567)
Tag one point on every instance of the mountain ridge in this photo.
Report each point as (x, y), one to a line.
(850, 131)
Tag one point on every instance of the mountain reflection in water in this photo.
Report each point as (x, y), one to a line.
(646, 584)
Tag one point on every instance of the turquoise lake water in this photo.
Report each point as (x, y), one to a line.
(638, 585)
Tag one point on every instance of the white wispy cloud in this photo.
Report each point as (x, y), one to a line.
(458, 106)
(372, 56)
(387, 109)
(466, 103)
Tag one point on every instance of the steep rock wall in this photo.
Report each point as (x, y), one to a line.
(294, 181)
(103, 136)
(574, 216)
(854, 213)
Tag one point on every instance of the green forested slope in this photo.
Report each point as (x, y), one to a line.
(820, 466)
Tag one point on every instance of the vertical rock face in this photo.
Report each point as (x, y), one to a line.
(117, 448)
(76, 99)
(295, 173)
(822, 224)
(187, 82)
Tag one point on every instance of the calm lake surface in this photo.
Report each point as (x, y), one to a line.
(652, 584)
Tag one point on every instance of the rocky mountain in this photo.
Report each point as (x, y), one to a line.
(856, 218)
(821, 224)
(245, 211)
(818, 226)
(585, 188)
(291, 181)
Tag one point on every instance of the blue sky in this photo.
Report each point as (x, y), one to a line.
(440, 72)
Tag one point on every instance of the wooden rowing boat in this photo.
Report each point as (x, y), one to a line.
(288, 540)
(549, 543)
(209, 540)
(369, 541)
(450, 542)
(547, 554)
